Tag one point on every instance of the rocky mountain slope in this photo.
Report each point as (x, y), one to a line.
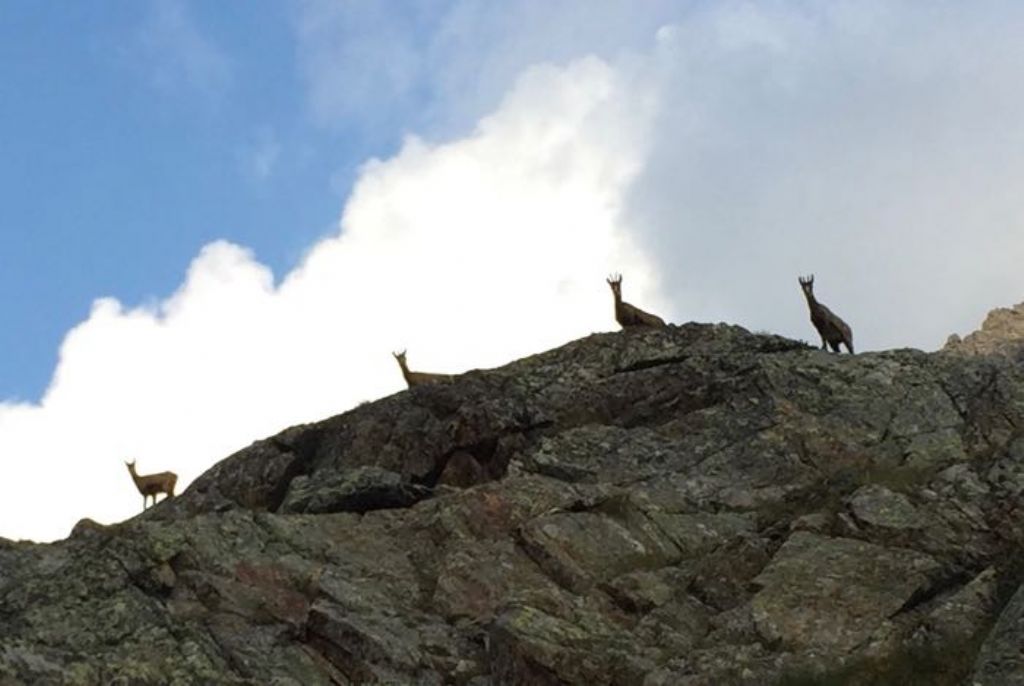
(1002, 332)
(688, 505)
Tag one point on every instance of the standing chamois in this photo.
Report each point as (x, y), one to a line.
(832, 329)
(418, 378)
(151, 484)
(627, 315)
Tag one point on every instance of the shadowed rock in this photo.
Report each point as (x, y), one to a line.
(359, 490)
(673, 505)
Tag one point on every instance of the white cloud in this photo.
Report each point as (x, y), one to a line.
(874, 143)
(440, 64)
(470, 253)
(877, 144)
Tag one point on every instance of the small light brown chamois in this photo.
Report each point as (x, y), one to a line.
(152, 484)
(831, 328)
(627, 315)
(418, 378)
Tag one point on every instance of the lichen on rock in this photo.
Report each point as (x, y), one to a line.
(690, 505)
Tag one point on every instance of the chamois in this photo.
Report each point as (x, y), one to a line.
(417, 378)
(627, 315)
(831, 328)
(152, 484)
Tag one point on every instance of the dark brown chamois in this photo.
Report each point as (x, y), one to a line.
(152, 484)
(417, 378)
(627, 315)
(831, 328)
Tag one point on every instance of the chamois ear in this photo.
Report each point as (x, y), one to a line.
(614, 279)
(400, 355)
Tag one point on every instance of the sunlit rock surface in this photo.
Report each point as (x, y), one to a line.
(1002, 332)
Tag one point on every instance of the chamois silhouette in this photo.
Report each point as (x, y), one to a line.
(418, 378)
(831, 328)
(151, 485)
(627, 315)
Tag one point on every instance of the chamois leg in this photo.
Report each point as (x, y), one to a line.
(849, 346)
(835, 347)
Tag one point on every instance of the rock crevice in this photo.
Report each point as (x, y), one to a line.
(689, 505)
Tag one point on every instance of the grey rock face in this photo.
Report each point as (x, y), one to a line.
(1001, 662)
(687, 505)
(876, 505)
(359, 490)
(831, 594)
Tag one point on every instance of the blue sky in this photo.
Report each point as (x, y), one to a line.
(125, 152)
(136, 132)
(218, 220)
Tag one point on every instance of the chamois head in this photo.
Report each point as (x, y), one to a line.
(807, 283)
(400, 357)
(615, 281)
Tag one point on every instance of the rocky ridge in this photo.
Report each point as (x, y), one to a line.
(688, 505)
(1002, 332)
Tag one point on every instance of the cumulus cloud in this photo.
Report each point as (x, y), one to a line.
(439, 64)
(876, 144)
(873, 143)
(470, 253)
